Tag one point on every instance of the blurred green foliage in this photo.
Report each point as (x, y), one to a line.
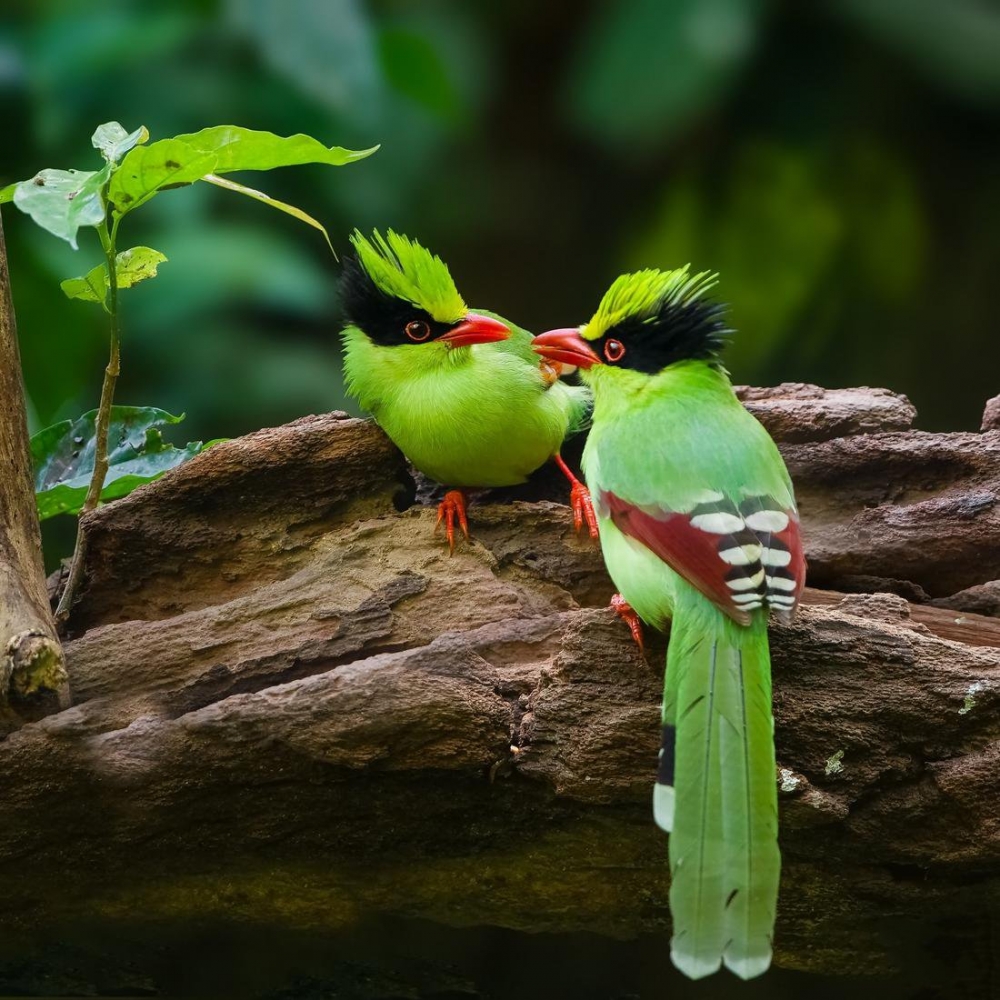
(836, 162)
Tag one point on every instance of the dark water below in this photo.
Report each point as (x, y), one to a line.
(394, 959)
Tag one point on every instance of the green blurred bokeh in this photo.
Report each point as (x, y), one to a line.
(838, 163)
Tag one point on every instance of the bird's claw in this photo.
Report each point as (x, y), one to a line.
(583, 509)
(452, 507)
(624, 610)
(579, 499)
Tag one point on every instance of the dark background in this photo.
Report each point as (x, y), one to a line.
(838, 162)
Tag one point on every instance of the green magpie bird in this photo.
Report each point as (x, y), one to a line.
(698, 527)
(461, 393)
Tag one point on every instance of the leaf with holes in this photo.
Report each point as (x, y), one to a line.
(63, 456)
(133, 265)
(61, 201)
(114, 142)
(147, 170)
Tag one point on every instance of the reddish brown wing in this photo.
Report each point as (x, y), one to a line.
(785, 583)
(738, 557)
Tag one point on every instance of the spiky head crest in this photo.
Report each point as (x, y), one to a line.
(402, 268)
(660, 317)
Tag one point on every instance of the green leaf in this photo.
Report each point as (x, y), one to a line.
(63, 456)
(114, 142)
(281, 206)
(7, 193)
(89, 287)
(61, 201)
(133, 266)
(238, 148)
(149, 169)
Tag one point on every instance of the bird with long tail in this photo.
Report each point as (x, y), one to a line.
(699, 529)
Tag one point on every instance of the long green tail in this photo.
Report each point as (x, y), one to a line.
(716, 793)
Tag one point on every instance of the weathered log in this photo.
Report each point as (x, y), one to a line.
(33, 677)
(293, 708)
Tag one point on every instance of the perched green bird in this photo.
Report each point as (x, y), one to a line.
(461, 393)
(698, 526)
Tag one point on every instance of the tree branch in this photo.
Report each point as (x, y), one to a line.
(292, 706)
(32, 672)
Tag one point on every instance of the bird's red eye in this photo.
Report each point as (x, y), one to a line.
(418, 330)
(614, 351)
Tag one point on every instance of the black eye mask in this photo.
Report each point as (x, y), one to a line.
(674, 332)
(383, 318)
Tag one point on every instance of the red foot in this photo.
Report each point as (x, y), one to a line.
(623, 609)
(579, 500)
(451, 507)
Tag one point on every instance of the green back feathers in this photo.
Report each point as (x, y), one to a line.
(401, 267)
(646, 294)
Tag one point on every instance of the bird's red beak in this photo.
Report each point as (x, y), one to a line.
(566, 346)
(475, 329)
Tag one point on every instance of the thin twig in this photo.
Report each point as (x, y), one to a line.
(101, 431)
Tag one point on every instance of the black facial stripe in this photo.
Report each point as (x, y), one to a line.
(675, 332)
(382, 317)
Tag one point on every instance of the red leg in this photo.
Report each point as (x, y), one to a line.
(623, 609)
(452, 506)
(579, 499)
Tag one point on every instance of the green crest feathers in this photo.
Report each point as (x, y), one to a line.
(645, 293)
(401, 267)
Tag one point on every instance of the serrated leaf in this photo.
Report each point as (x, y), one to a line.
(63, 457)
(114, 142)
(281, 206)
(239, 148)
(61, 201)
(149, 169)
(133, 265)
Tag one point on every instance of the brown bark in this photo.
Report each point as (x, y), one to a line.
(32, 671)
(293, 707)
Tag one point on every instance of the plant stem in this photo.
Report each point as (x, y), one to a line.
(108, 241)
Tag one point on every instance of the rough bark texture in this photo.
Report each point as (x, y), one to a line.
(293, 707)
(32, 671)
